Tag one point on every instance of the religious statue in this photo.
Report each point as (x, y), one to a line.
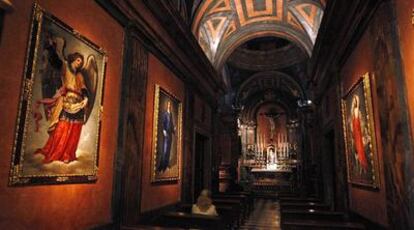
(272, 156)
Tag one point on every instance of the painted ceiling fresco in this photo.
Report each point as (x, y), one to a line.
(220, 26)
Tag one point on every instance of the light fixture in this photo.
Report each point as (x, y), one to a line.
(304, 103)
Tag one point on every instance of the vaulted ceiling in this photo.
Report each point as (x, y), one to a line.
(261, 47)
(220, 26)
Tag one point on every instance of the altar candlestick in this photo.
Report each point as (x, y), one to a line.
(286, 150)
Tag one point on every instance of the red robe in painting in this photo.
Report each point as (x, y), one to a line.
(359, 145)
(66, 120)
(62, 142)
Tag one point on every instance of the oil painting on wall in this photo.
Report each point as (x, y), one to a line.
(167, 137)
(57, 131)
(359, 133)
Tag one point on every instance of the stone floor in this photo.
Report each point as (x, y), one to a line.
(265, 215)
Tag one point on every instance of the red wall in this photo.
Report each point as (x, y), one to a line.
(368, 203)
(77, 206)
(158, 195)
(405, 28)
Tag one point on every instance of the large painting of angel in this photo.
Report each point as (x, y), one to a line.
(57, 132)
(359, 133)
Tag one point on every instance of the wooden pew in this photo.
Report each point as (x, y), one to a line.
(299, 199)
(311, 214)
(188, 220)
(243, 200)
(288, 194)
(229, 214)
(233, 202)
(303, 205)
(148, 227)
(320, 225)
(246, 198)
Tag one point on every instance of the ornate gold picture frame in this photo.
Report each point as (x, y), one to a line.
(167, 137)
(58, 124)
(359, 135)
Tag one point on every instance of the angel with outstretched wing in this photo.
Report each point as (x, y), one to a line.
(69, 89)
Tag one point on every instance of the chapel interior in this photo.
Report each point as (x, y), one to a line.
(294, 114)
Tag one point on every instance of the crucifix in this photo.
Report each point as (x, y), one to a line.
(272, 117)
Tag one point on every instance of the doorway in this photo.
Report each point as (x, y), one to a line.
(329, 168)
(202, 163)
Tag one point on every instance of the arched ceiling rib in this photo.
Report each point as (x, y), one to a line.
(265, 81)
(266, 60)
(220, 26)
(282, 99)
(268, 87)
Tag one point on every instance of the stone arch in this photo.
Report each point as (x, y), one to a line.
(278, 80)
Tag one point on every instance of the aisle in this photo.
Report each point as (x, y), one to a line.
(265, 215)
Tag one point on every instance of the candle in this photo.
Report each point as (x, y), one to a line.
(260, 144)
(278, 140)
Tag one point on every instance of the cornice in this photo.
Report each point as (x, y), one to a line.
(185, 58)
(341, 28)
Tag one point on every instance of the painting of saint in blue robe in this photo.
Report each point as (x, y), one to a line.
(168, 130)
(167, 133)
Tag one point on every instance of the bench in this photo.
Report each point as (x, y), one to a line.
(299, 199)
(320, 225)
(303, 205)
(244, 199)
(148, 227)
(188, 220)
(229, 214)
(235, 203)
(311, 214)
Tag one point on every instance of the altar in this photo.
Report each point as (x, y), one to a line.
(270, 149)
(272, 180)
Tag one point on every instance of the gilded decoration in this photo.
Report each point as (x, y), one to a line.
(360, 135)
(167, 136)
(58, 123)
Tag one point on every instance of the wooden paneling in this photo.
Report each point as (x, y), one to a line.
(127, 189)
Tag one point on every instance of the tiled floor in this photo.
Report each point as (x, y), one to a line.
(265, 215)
